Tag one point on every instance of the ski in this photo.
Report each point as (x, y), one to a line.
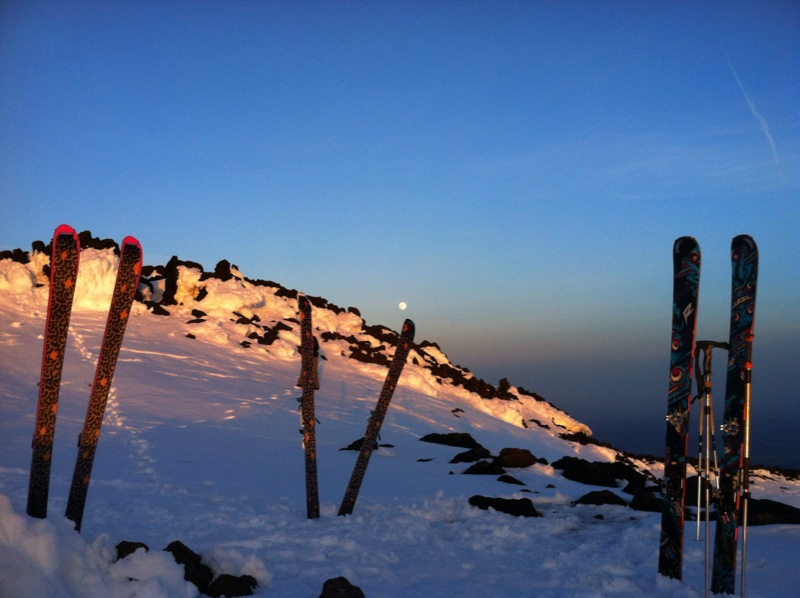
(686, 285)
(744, 262)
(64, 262)
(370, 440)
(308, 381)
(128, 271)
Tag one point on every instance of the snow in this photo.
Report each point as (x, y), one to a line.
(200, 444)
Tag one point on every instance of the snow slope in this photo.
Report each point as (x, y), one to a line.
(200, 443)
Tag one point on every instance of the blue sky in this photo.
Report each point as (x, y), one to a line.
(515, 171)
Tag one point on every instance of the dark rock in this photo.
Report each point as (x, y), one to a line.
(232, 585)
(15, 255)
(508, 479)
(126, 548)
(515, 457)
(87, 241)
(156, 309)
(600, 473)
(339, 587)
(222, 271)
(645, 501)
(194, 571)
(457, 439)
(601, 497)
(518, 507)
(485, 468)
(171, 278)
(356, 445)
(472, 455)
(762, 511)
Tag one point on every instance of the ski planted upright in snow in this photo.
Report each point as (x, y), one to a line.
(686, 285)
(128, 272)
(64, 262)
(370, 440)
(744, 262)
(307, 407)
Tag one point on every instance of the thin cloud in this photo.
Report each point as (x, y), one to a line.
(760, 119)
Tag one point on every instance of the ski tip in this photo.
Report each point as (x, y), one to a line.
(683, 244)
(65, 229)
(743, 240)
(303, 302)
(129, 240)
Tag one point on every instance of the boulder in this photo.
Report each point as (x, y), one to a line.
(518, 507)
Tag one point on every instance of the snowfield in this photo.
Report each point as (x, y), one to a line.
(201, 444)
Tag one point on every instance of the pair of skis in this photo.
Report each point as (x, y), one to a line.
(373, 426)
(735, 428)
(64, 265)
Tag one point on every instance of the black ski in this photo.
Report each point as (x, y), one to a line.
(64, 262)
(686, 285)
(308, 381)
(129, 269)
(744, 262)
(376, 420)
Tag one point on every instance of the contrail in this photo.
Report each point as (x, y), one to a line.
(760, 119)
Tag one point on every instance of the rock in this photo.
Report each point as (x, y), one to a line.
(194, 571)
(600, 473)
(515, 457)
(457, 439)
(485, 468)
(762, 511)
(508, 479)
(601, 497)
(232, 585)
(645, 501)
(518, 507)
(126, 548)
(339, 587)
(472, 455)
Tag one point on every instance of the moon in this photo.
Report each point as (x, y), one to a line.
(402, 305)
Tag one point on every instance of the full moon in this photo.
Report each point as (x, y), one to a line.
(402, 305)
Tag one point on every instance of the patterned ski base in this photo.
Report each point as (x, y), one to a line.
(130, 267)
(308, 417)
(686, 284)
(64, 262)
(376, 420)
(744, 262)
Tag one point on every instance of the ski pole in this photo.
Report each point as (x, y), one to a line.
(748, 366)
(704, 474)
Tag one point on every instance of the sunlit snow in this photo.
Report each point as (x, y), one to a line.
(200, 444)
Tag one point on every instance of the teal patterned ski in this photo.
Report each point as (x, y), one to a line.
(744, 262)
(686, 285)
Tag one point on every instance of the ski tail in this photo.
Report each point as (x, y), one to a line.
(686, 286)
(376, 420)
(744, 265)
(308, 381)
(64, 263)
(125, 286)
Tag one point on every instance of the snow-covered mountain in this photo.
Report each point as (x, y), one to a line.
(200, 444)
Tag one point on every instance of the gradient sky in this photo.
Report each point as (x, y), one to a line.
(515, 171)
